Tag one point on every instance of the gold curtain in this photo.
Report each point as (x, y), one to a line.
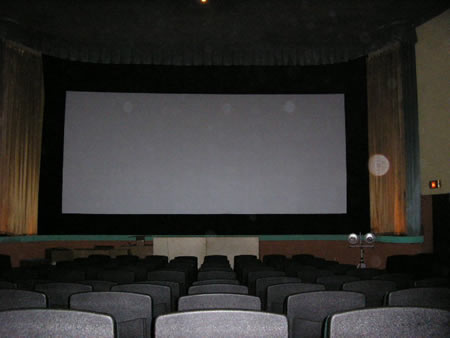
(387, 138)
(21, 115)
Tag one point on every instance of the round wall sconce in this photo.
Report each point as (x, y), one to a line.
(353, 239)
(369, 238)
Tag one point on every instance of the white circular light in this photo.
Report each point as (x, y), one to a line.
(289, 107)
(378, 165)
(353, 239)
(369, 238)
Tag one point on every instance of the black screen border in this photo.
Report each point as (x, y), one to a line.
(62, 75)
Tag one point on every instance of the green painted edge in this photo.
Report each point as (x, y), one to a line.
(48, 238)
(400, 239)
(303, 237)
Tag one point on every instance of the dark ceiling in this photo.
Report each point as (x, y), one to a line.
(266, 32)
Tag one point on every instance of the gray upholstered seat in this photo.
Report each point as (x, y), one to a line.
(216, 274)
(171, 276)
(432, 282)
(69, 275)
(21, 299)
(277, 294)
(375, 290)
(119, 276)
(310, 276)
(221, 323)
(216, 281)
(131, 311)
(34, 323)
(307, 311)
(219, 301)
(389, 322)
(174, 290)
(367, 273)
(58, 293)
(401, 280)
(263, 283)
(335, 282)
(254, 275)
(161, 295)
(424, 297)
(218, 288)
(99, 285)
(216, 259)
(7, 285)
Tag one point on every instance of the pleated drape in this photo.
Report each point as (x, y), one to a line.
(21, 115)
(387, 138)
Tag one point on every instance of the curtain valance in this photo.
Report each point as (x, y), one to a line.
(262, 32)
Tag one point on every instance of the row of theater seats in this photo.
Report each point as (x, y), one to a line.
(251, 287)
(377, 322)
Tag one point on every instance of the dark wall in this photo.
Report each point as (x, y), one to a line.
(441, 225)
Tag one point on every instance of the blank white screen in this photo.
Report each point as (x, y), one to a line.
(141, 153)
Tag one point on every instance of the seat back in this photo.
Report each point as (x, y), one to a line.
(17, 299)
(218, 288)
(263, 283)
(340, 269)
(389, 322)
(192, 259)
(55, 323)
(240, 260)
(99, 285)
(250, 267)
(216, 274)
(303, 258)
(140, 271)
(310, 276)
(307, 311)
(424, 297)
(432, 282)
(131, 311)
(368, 273)
(221, 323)
(214, 267)
(120, 276)
(68, 275)
(335, 282)
(160, 259)
(275, 260)
(216, 281)
(127, 259)
(277, 294)
(219, 301)
(58, 293)
(254, 275)
(161, 295)
(216, 259)
(375, 290)
(170, 276)
(7, 285)
(401, 280)
(174, 290)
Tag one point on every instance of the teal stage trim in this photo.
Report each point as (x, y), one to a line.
(131, 238)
